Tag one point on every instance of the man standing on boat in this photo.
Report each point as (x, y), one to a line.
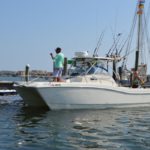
(58, 64)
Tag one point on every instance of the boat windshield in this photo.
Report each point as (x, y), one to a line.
(87, 66)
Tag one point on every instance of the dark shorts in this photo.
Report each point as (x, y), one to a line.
(57, 72)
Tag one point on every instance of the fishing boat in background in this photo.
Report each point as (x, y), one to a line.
(89, 83)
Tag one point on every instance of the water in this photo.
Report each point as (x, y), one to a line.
(23, 128)
(111, 129)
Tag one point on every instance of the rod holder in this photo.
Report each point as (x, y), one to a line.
(65, 67)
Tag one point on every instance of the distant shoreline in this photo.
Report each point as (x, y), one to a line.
(33, 73)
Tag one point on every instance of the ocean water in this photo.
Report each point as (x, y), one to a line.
(23, 128)
(110, 129)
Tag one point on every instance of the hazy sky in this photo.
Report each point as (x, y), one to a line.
(31, 29)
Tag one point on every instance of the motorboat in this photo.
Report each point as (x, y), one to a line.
(6, 88)
(88, 85)
(83, 89)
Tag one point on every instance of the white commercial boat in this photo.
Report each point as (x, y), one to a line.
(88, 86)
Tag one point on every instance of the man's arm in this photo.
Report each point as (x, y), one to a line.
(51, 55)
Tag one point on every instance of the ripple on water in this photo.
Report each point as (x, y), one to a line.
(10, 99)
(121, 131)
(113, 129)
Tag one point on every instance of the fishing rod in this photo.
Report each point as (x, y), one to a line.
(114, 45)
(130, 38)
(98, 44)
(116, 42)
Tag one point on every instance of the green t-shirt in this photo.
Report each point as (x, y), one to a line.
(59, 60)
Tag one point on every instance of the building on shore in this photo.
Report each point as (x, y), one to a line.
(33, 73)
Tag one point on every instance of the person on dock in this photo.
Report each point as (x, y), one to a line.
(58, 64)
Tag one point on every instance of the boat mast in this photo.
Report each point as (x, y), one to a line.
(139, 39)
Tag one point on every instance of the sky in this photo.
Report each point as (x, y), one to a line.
(31, 29)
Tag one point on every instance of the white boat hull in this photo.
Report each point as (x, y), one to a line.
(83, 97)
